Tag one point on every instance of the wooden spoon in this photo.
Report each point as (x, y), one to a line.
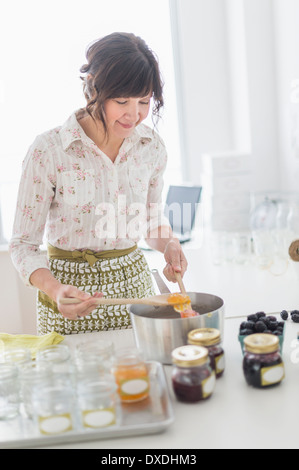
(180, 283)
(187, 312)
(156, 300)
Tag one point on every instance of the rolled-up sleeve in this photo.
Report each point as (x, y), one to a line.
(36, 192)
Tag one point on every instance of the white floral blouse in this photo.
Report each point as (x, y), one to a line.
(74, 194)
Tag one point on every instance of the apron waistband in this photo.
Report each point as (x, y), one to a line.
(87, 255)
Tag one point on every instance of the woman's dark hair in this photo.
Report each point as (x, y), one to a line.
(120, 65)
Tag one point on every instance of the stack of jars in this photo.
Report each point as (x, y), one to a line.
(62, 392)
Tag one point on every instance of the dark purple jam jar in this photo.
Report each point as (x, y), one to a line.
(210, 338)
(193, 379)
(263, 366)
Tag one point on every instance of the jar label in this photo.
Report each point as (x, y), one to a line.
(220, 363)
(272, 375)
(55, 424)
(134, 386)
(99, 418)
(208, 385)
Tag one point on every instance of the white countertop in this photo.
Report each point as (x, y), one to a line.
(236, 416)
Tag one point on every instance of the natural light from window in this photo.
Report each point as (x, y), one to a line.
(42, 47)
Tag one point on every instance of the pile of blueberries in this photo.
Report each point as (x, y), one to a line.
(261, 323)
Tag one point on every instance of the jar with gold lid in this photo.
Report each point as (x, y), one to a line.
(262, 364)
(210, 338)
(193, 379)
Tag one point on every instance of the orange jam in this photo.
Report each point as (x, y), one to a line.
(131, 376)
(182, 304)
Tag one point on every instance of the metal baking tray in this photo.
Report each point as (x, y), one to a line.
(149, 416)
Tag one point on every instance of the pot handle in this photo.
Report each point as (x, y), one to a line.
(160, 283)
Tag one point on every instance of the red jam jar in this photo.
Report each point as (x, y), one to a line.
(193, 379)
(262, 364)
(210, 338)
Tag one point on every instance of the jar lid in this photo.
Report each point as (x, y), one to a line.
(204, 336)
(261, 343)
(190, 356)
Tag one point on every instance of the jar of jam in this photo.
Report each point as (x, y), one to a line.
(262, 364)
(131, 375)
(210, 338)
(193, 379)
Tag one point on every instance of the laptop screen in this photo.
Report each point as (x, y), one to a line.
(180, 208)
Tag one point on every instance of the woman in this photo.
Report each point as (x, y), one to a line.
(95, 185)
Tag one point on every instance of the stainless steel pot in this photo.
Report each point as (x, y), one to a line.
(159, 330)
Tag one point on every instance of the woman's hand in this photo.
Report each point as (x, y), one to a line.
(75, 311)
(175, 259)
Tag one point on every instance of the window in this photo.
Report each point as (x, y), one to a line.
(42, 47)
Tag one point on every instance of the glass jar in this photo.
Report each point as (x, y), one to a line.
(9, 391)
(54, 408)
(55, 354)
(210, 338)
(58, 357)
(18, 356)
(98, 402)
(32, 374)
(193, 379)
(101, 352)
(131, 375)
(262, 364)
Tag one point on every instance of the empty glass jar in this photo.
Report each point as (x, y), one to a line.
(9, 391)
(54, 408)
(98, 402)
(17, 356)
(58, 357)
(31, 375)
(100, 352)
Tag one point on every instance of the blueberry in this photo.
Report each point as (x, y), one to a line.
(271, 318)
(260, 327)
(272, 325)
(294, 312)
(260, 315)
(295, 317)
(253, 318)
(243, 325)
(281, 324)
(246, 332)
(284, 315)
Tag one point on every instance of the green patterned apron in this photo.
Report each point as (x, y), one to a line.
(115, 273)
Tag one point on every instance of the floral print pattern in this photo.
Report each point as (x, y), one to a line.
(66, 178)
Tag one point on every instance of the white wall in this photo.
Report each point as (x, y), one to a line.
(228, 52)
(18, 313)
(286, 20)
(203, 70)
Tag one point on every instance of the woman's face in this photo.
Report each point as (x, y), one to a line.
(122, 115)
